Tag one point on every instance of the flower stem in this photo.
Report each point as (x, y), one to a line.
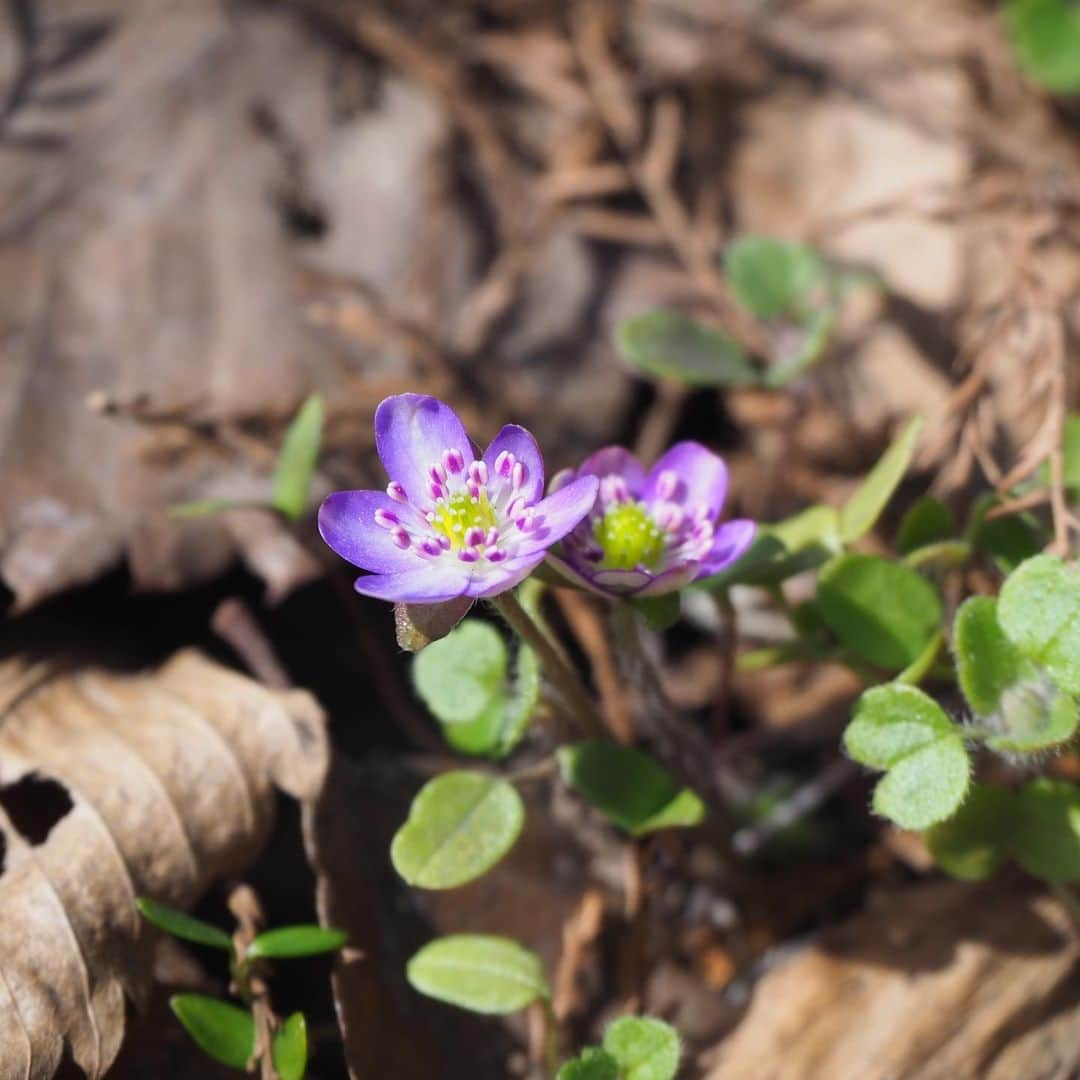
(556, 667)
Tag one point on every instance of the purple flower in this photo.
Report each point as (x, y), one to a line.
(651, 532)
(450, 523)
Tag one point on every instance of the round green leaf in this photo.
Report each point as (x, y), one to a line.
(182, 925)
(987, 663)
(1046, 832)
(645, 1048)
(290, 1048)
(669, 345)
(460, 675)
(479, 972)
(925, 787)
(972, 844)
(460, 825)
(296, 462)
(881, 611)
(285, 942)
(221, 1030)
(632, 789)
(871, 497)
(593, 1064)
(1039, 610)
(798, 348)
(772, 278)
(927, 521)
(1007, 540)
(1045, 36)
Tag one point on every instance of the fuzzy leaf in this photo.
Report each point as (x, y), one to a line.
(987, 663)
(296, 462)
(972, 844)
(901, 730)
(479, 972)
(669, 345)
(883, 612)
(1039, 610)
(1034, 715)
(594, 1063)
(864, 507)
(645, 1048)
(220, 1029)
(459, 826)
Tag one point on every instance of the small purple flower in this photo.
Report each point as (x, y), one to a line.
(651, 532)
(450, 523)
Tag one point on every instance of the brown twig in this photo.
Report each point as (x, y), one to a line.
(251, 986)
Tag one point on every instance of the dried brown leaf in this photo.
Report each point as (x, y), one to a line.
(171, 777)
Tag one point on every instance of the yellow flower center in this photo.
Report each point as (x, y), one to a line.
(628, 537)
(460, 513)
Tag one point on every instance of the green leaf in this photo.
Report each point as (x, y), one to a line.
(296, 462)
(479, 972)
(1045, 36)
(632, 789)
(594, 1063)
(290, 1048)
(645, 1048)
(460, 676)
(900, 729)
(973, 843)
(659, 612)
(182, 925)
(1034, 715)
(1070, 445)
(944, 554)
(206, 507)
(816, 525)
(864, 507)
(669, 345)
(460, 825)
(927, 521)
(221, 1030)
(987, 663)
(809, 343)
(285, 942)
(1039, 610)
(1046, 832)
(1007, 540)
(922, 665)
(881, 611)
(772, 278)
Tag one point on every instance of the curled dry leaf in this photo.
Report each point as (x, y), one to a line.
(159, 783)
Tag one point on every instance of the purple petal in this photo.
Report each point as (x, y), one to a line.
(561, 513)
(411, 433)
(671, 580)
(701, 477)
(432, 583)
(494, 581)
(732, 540)
(519, 442)
(617, 460)
(574, 573)
(347, 524)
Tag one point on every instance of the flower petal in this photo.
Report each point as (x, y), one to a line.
(701, 477)
(671, 580)
(561, 512)
(519, 442)
(574, 574)
(347, 524)
(434, 582)
(622, 581)
(411, 433)
(499, 579)
(617, 460)
(732, 540)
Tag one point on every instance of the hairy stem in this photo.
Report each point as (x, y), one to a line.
(556, 667)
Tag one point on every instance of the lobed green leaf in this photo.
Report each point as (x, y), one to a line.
(594, 1063)
(460, 676)
(987, 663)
(773, 278)
(972, 844)
(1046, 833)
(644, 1048)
